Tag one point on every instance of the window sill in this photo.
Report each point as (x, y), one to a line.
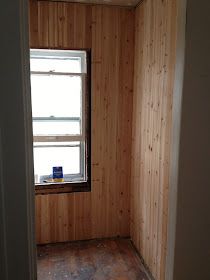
(58, 188)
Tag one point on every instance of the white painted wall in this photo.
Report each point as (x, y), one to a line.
(17, 246)
(192, 238)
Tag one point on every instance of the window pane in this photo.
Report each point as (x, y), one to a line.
(56, 127)
(58, 96)
(46, 157)
(62, 65)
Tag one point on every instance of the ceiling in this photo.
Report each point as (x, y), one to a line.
(127, 3)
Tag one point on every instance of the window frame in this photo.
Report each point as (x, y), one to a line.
(69, 187)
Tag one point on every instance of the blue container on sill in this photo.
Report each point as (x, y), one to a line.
(58, 174)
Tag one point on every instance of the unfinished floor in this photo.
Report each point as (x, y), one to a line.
(112, 259)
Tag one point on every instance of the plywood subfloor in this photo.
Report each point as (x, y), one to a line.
(113, 259)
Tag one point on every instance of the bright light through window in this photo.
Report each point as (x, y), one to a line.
(58, 80)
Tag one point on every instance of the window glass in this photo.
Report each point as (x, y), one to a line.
(57, 127)
(57, 96)
(46, 156)
(62, 65)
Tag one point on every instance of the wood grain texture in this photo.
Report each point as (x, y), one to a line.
(155, 44)
(113, 259)
(109, 33)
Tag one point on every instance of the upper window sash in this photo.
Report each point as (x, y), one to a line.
(64, 55)
(80, 120)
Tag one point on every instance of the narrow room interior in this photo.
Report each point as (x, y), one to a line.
(104, 140)
(102, 83)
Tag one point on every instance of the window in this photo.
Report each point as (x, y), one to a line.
(60, 111)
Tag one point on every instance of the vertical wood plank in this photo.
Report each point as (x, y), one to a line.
(109, 33)
(155, 43)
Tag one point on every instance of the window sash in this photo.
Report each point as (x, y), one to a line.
(82, 176)
(51, 138)
(61, 54)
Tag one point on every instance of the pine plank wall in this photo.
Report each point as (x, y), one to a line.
(131, 123)
(155, 47)
(109, 32)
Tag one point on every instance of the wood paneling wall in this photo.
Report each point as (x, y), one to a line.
(109, 32)
(155, 46)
